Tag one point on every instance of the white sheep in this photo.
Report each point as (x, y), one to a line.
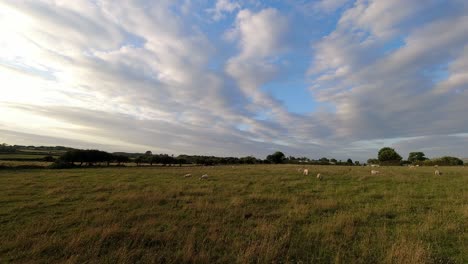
(306, 172)
(437, 173)
(187, 175)
(374, 172)
(319, 176)
(411, 166)
(204, 176)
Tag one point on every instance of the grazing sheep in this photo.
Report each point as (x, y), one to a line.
(417, 165)
(375, 165)
(204, 176)
(411, 166)
(306, 172)
(187, 175)
(319, 176)
(437, 173)
(374, 172)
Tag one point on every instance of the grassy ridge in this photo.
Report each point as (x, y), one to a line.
(247, 214)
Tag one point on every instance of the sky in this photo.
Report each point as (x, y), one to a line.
(323, 78)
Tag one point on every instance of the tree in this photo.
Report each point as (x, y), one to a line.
(277, 157)
(416, 156)
(5, 148)
(324, 161)
(89, 156)
(48, 158)
(373, 161)
(444, 161)
(248, 160)
(349, 162)
(389, 156)
(138, 160)
(121, 159)
(357, 163)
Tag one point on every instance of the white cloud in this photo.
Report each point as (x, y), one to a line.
(382, 88)
(222, 7)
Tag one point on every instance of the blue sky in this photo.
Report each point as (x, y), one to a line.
(334, 78)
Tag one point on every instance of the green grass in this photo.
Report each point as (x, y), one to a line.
(249, 214)
(17, 156)
(17, 163)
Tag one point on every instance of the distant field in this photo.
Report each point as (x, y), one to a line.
(43, 152)
(21, 156)
(249, 214)
(16, 163)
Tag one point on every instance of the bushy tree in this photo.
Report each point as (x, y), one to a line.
(120, 159)
(444, 161)
(389, 156)
(248, 160)
(86, 156)
(5, 148)
(416, 156)
(276, 158)
(140, 159)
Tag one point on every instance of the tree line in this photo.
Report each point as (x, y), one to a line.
(388, 156)
(78, 157)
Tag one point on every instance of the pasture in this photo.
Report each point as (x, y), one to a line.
(245, 214)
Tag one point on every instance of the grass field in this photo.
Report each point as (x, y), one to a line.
(14, 163)
(21, 156)
(246, 214)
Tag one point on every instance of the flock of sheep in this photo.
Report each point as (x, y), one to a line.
(320, 177)
(306, 172)
(373, 172)
(203, 177)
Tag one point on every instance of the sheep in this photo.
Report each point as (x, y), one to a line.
(436, 166)
(411, 166)
(374, 172)
(187, 175)
(319, 176)
(437, 173)
(375, 165)
(417, 165)
(204, 176)
(306, 172)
